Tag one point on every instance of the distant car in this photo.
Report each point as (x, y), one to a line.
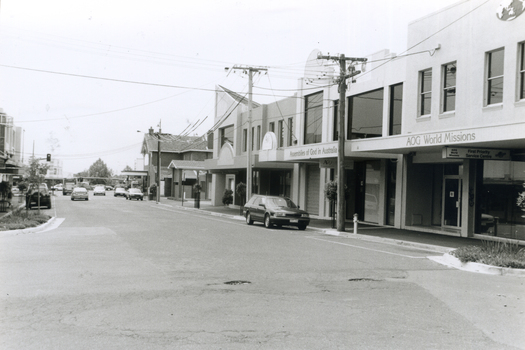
(134, 193)
(274, 210)
(58, 187)
(99, 190)
(109, 188)
(33, 199)
(79, 193)
(119, 192)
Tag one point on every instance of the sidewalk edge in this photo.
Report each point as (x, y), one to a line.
(452, 261)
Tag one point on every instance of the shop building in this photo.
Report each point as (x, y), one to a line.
(181, 158)
(435, 137)
(10, 149)
(461, 147)
(229, 141)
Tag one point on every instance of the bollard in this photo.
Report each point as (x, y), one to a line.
(355, 223)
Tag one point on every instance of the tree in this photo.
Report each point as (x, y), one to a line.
(127, 168)
(36, 174)
(99, 169)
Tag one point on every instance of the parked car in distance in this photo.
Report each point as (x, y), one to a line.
(68, 188)
(120, 191)
(99, 190)
(275, 210)
(109, 188)
(58, 187)
(79, 193)
(134, 193)
(45, 197)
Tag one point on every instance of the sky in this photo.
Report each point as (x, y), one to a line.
(86, 79)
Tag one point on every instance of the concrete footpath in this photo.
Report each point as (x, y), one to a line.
(421, 240)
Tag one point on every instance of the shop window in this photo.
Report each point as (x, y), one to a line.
(290, 131)
(500, 211)
(226, 135)
(313, 118)
(449, 87)
(366, 113)
(396, 104)
(425, 92)
(521, 72)
(494, 83)
(244, 140)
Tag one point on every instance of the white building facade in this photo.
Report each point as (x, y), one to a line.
(436, 141)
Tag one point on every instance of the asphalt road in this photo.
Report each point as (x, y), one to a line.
(118, 274)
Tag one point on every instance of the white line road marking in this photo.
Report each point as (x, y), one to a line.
(374, 250)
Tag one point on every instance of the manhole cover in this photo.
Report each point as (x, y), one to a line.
(237, 282)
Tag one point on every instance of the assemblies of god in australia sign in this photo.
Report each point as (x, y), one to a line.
(311, 152)
(476, 153)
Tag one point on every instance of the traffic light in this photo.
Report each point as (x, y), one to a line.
(48, 158)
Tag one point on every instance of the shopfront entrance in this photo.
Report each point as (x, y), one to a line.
(451, 217)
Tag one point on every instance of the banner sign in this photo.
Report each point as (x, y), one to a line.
(311, 152)
(476, 153)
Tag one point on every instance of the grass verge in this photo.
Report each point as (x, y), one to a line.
(501, 254)
(21, 219)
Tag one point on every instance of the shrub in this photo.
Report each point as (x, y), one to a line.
(227, 197)
(501, 254)
(21, 219)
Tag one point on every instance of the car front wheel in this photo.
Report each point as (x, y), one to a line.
(249, 220)
(267, 222)
(302, 227)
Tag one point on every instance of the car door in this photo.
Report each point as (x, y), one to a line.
(255, 209)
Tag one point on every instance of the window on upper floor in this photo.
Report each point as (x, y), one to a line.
(449, 87)
(271, 127)
(335, 135)
(244, 140)
(313, 118)
(258, 146)
(425, 92)
(494, 82)
(226, 135)
(290, 131)
(521, 72)
(252, 140)
(396, 104)
(280, 136)
(210, 140)
(366, 113)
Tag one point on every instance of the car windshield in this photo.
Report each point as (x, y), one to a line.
(281, 202)
(134, 190)
(99, 188)
(80, 189)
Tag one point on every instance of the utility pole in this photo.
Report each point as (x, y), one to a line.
(341, 181)
(249, 135)
(158, 163)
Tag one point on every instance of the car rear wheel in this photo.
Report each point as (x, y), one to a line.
(267, 222)
(302, 227)
(249, 220)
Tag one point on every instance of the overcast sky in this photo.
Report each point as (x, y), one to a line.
(82, 77)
